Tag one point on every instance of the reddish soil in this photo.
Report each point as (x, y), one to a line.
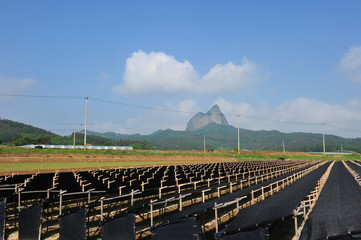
(138, 160)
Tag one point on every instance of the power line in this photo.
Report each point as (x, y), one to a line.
(279, 121)
(189, 112)
(139, 106)
(161, 109)
(57, 123)
(342, 128)
(39, 96)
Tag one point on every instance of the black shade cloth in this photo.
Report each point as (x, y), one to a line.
(30, 222)
(259, 234)
(277, 206)
(2, 218)
(121, 228)
(338, 209)
(198, 208)
(184, 229)
(73, 225)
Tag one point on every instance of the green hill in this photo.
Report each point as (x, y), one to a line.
(217, 137)
(15, 133)
(225, 137)
(9, 130)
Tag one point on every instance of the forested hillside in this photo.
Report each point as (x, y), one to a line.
(216, 136)
(225, 137)
(15, 133)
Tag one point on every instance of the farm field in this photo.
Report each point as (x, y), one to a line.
(48, 160)
(154, 195)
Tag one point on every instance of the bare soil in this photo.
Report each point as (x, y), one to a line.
(130, 160)
(140, 160)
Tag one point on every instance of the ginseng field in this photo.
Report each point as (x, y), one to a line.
(216, 199)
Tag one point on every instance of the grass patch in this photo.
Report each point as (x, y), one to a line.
(243, 156)
(148, 161)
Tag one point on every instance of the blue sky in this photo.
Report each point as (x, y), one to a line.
(283, 65)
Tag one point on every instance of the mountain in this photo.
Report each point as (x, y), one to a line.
(214, 115)
(15, 133)
(225, 137)
(217, 137)
(10, 130)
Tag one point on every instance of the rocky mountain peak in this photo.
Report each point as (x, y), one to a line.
(214, 115)
(215, 110)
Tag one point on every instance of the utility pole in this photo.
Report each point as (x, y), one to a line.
(283, 143)
(74, 139)
(323, 138)
(204, 144)
(341, 148)
(86, 117)
(239, 150)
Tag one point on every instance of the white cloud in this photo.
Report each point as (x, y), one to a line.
(350, 64)
(228, 77)
(301, 114)
(153, 120)
(16, 85)
(177, 120)
(310, 110)
(186, 106)
(354, 103)
(157, 72)
(296, 115)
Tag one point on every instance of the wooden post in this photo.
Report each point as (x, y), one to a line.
(180, 203)
(132, 198)
(304, 210)
(60, 202)
(151, 213)
(216, 216)
(120, 190)
(19, 206)
(101, 208)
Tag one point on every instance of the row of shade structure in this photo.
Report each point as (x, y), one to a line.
(230, 200)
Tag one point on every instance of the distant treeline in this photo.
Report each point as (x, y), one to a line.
(225, 137)
(217, 137)
(18, 134)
